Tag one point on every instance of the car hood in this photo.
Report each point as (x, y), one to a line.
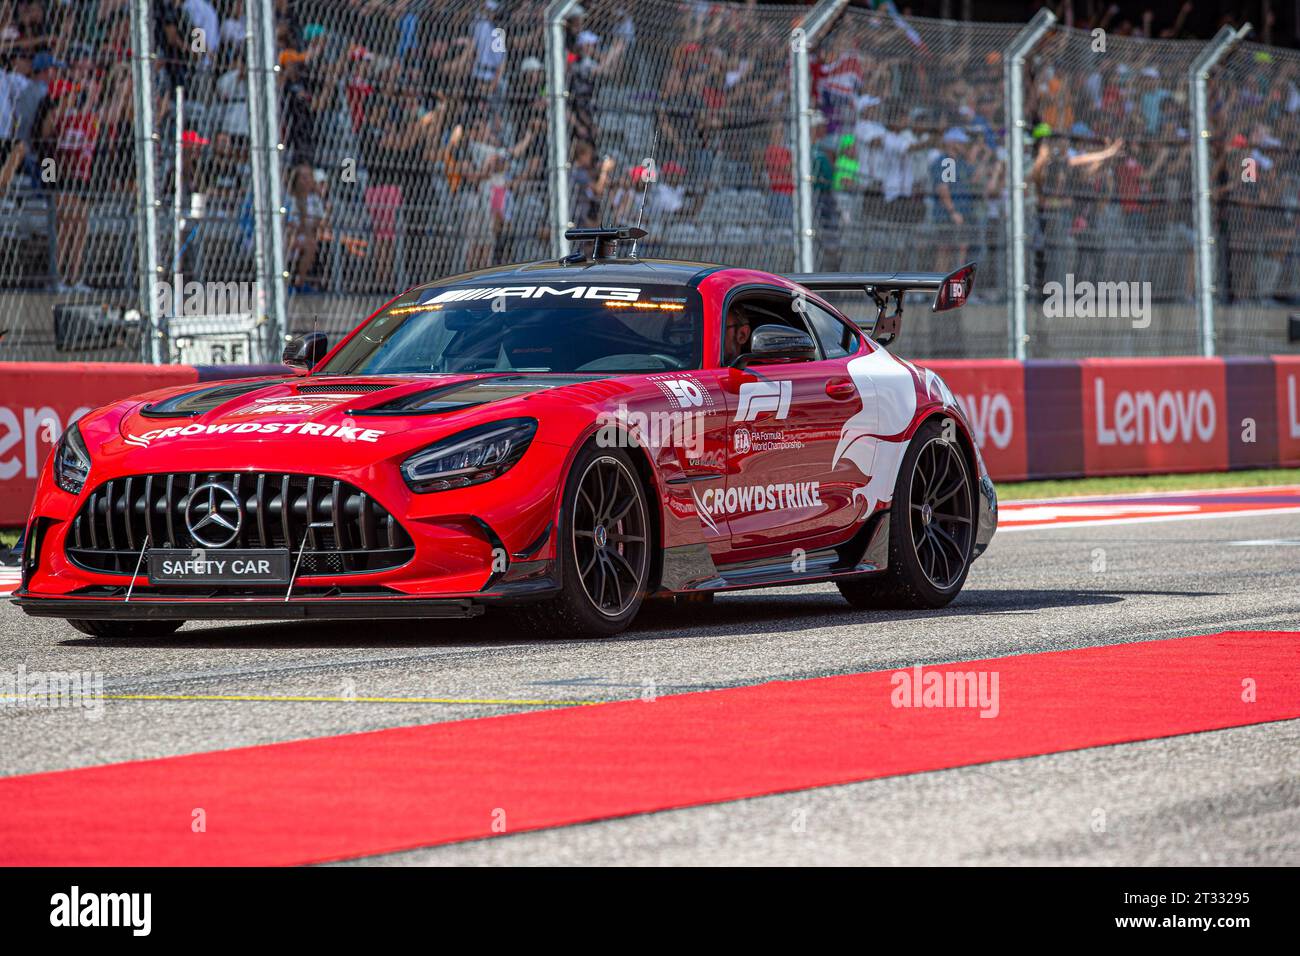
(350, 418)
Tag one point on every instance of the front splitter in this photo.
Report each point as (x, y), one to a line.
(248, 609)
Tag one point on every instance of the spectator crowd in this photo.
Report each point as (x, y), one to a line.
(416, 141)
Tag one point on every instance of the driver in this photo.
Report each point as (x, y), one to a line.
(736, 339)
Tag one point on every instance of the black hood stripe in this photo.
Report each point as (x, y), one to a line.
(203, 400)
(457, 396)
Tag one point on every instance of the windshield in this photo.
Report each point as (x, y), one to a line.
(545, 328)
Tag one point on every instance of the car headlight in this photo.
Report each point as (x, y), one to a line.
(71, 461)
(470, 457)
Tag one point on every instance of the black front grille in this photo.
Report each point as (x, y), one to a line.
(340, 529)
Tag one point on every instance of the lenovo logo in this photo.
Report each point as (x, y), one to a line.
(1166, 417)
(26, 436)
(990, 419)
(1292, 408)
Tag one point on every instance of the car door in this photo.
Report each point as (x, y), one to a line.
(786, 421)
(693, 454)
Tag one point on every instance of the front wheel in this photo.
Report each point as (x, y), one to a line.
(127, 629)
(931, 528)
(603, 550)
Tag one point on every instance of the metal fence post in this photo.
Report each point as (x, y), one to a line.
(557, 115)
(1198, 75)
(264, 138)
(151, 344)
(1014, 91)
(802, 37)
(274, 180)
(257, 161)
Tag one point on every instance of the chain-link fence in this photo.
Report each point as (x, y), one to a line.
(1111, 211)
(910, 167)
(415, 147)
(67, 183)
(685, 109)
(271, 166)
(208, 224)
(1255, 178)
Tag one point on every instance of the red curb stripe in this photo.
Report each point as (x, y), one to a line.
(363, 794)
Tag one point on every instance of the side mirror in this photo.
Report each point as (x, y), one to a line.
(304, 351)
(778, 342)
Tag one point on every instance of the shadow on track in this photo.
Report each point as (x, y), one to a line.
(753, 612)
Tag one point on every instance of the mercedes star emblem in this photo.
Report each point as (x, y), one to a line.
(204, 517)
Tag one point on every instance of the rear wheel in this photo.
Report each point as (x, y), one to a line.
(604, 545)
(931, 528)
(127, 629)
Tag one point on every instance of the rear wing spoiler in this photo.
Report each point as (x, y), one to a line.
(950, 291)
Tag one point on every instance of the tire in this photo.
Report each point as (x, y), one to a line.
(603, 550)
(931, 529)
(127, 629)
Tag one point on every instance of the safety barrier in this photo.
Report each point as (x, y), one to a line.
(1034, 419)
(1065, 419)
(39, 399)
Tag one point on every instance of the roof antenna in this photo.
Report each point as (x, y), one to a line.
(652, 169)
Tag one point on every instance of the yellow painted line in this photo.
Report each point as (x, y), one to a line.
(259, 698)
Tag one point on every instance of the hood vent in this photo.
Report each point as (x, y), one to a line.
(191, 404)
(479, 391)
(357, 388)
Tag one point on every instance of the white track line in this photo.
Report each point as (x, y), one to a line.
(1145, 519)
(1185, 493)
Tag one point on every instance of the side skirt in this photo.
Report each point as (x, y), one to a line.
(690, 567)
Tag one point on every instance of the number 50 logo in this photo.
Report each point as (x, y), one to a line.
(684, 392)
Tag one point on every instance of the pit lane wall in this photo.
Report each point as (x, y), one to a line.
(1035, 419)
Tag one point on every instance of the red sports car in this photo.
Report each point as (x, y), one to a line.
(562, 439)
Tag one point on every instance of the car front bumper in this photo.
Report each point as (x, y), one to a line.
(249, 609)
(492, 543)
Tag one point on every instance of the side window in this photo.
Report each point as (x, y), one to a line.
(750, 310)
(837, 339)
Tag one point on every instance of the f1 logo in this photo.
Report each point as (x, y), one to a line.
(759, 397)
